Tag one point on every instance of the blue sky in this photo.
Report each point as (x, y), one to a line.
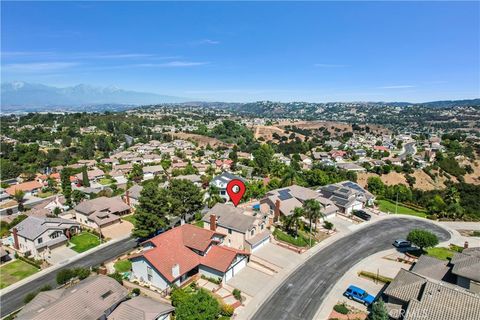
(309, 51)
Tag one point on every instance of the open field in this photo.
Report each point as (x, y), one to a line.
(390, 207)
(201, 140)
(266, 132)
(15, 271)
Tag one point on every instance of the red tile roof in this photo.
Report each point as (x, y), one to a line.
(174, 247)
(220, 257)
(26, 186)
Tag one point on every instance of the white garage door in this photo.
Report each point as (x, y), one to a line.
(228, 275)
(260, 244)
(235, 269)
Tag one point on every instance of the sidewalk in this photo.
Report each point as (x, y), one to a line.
(59, 265)
(271, 286)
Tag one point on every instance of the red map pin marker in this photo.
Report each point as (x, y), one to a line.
(236, 190)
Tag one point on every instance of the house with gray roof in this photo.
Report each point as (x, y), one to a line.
(466, 268)
(97, 297)
(347, 195)
(244, 230)
(221, 181)
(132, 195)
(101, 212)
(418, 297)
(36, 235)
(283, 201)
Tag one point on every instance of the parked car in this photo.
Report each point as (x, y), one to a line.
(358, 294)
(362, 215)
(400, 243)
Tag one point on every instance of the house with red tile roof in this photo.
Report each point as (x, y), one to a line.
(171, 258)
(29, 187)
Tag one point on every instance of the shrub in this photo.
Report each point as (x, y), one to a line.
(63, 276)
(341, 308)
(117, 276)
(237, 294)
(328, 225)
(29, 297)
(375, 277)
(46, 287)
(82, 273)
(136, 291)
(226, 310)
(476, 233)
(214, 280)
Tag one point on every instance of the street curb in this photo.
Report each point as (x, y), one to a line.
(59, 265)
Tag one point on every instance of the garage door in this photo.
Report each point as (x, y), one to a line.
(261, 244)
(228, 275)
(235, 269)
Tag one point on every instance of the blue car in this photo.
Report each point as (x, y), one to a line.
(360, 295)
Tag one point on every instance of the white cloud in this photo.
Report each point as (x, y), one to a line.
(38, 66)
(172, 64)
(406, 86)
(205, 41)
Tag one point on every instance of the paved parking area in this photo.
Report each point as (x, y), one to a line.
(60, 254)
(249, 280)
(277, 255)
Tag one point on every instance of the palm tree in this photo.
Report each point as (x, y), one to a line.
(19, 194)
(290, 176)
(312, 211)
(296, 218)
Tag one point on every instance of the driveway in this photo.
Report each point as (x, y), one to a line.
(302, 293)
(249, 280)
(277, 255)
(60, 254)
(118, 230)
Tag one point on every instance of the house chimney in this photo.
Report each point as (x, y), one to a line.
(175, 270)
(276, 212)
(213, 222)
(465, 245)
(127, 197)
(15, 239)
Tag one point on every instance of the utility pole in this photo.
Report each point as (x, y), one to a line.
(396, 204)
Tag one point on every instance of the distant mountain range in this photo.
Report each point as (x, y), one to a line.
(22, 96)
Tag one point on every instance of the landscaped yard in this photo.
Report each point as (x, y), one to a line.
(130, 218)
(15, 271)
(300, 241)
(106, 181)
(84, 241)
(440, 253)
(199, 223)
(44, 194)
(387, 206)
(123, 266)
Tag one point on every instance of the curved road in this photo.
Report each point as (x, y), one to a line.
(302, 293)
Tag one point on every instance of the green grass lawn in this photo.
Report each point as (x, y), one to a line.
(45, 194)
(440, 253)
(84, 241)
(123, 265)
(387, 206)
(106, 181)
(300, 241)
(130, 218)
(15, 271)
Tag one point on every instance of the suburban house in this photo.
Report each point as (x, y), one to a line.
(466, 268)
(30, 188)
(35, 236)
(221, 181)
(149, 172)
(412, 296)
(243, 231)
(194, 178)
(282, 202)
(101, 212)
(97, 297)
(347, 196)
(132, 195)
(93, 175)
(171, 258)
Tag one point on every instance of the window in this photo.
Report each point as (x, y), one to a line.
(149, 273)
(252, 232)
(106, 294)
(229, 231)
(40, 240)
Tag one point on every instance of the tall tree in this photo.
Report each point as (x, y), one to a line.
(185, 197)
(262, 158)
(422, 238)
(379, 311)
(312, 211)
(150, 215)
(19, 196)
(85, 180)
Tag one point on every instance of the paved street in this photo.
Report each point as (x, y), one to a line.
(302, 293)
(13, 300)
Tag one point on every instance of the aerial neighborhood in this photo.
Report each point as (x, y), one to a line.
(171, 195)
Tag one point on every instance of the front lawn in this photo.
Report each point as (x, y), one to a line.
(84, 241)
(285, 237)
(437, 252)
(15, 271)
(45, 194)
(130, 218)
(123, 266)
(106, 181)
(389, 207)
